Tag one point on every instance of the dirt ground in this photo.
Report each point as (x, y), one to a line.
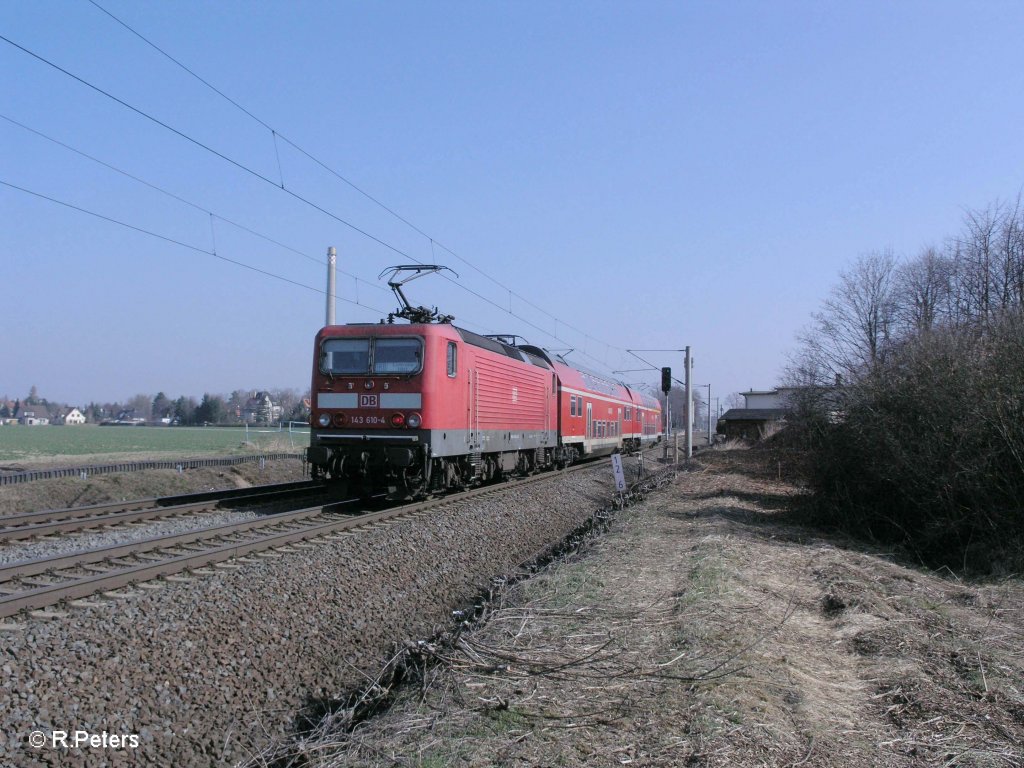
(72, 491)
(707, 630)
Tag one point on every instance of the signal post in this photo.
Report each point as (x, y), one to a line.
(666, 385)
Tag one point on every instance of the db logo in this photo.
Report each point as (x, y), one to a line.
(368, 401)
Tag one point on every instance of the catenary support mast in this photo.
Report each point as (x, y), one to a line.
(332, 267)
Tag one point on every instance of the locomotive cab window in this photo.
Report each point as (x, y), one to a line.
(397, 355)
(351, 356)
(382, 356)
(453, 359)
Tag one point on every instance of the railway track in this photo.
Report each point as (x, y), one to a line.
(60, 521)
(47, 581)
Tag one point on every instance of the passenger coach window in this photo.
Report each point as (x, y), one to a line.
(453, 359)
(397, 355)
(346, 356)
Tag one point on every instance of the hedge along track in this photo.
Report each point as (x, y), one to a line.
(36, 584)
(73, 519)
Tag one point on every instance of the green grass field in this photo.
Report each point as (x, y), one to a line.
(19, 443)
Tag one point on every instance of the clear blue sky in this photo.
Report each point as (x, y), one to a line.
(652, 174)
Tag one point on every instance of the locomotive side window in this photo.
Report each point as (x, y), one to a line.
(453, 359)
(397, 355)
(346, 356)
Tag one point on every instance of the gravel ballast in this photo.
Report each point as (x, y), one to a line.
(204, 671)
(19, 551)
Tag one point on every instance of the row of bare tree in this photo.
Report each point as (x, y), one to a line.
(971, 281)
(923, 443)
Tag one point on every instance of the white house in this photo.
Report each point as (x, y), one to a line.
(74, 416)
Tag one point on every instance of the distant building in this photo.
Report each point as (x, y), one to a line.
(74, 416)
(766, 409)
(780, 397)
(128, 416)
(764, 414)
(260, 409)
(34, 416)
(751, 423)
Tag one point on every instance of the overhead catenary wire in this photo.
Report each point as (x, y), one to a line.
(184, 201)
(173, 241)
(241, 166)
(256, 174)
(308, 155)
(204, 251)
(276, 134)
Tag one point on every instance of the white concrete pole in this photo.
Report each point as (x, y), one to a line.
(332, 266)
(689, 406)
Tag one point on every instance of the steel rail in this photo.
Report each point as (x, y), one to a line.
(42, 565)
(26, 526)
(160, 501)
(42, 596)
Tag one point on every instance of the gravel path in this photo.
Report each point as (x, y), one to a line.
(203, 671)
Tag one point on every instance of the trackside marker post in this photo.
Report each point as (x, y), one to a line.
(620, 477)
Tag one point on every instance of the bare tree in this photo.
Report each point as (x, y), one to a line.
(922, 289)
(1011, 253)
(852, 329)
(978, 262)
(735, 400)
(985, 264)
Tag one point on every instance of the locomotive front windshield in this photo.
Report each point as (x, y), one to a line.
(397, 355)
(350, 356)
(379, 356)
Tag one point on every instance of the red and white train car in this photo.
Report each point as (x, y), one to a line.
(420, 408)
(598, 416)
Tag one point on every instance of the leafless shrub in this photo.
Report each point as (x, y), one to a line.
(919, 437)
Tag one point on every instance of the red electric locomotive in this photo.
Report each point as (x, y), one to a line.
(424, 407)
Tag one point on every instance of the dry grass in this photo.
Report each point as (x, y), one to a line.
(706, 630)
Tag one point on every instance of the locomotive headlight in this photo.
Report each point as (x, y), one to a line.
(324, 420)
(397, 420)
(339, 419)
(413, 420)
